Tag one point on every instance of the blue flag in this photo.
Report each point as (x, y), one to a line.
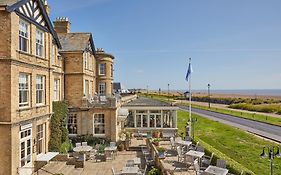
(189, 71)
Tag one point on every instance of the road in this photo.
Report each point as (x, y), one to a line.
(262, 129)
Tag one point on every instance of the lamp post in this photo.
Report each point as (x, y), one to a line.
(192, 123)
(147, 89)
(209, 95)
(271, 155)
(168, 92)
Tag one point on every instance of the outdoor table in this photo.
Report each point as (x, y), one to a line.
(137, 161)
(183, 143)
(112, 149)
(216, 170)
(130, 170)
(82, 149)
(196, 154)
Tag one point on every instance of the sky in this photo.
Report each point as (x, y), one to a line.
(233, 44)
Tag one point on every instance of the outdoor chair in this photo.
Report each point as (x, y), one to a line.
(112, 144)
(114, 172)
(145, 151)
(180, 155)
(130, 163)
(180, 165)
(221, 163)
(109, 155)
(200, 148)
(206, 160)
(91, 155)
(143, 172)
(77, 144)
(149, 160)
(193, 147)
(84, 144)
(172, 141)
(197, 168)
(189, 160)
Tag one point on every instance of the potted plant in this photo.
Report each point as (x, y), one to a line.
(121, 147)
(154, 171)
(161, 152)
(156, 134)
(156, 141)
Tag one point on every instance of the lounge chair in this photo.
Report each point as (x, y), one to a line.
(197, 168)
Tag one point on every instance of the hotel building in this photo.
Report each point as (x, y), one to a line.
(31, 78)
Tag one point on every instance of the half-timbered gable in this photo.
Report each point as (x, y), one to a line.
(34, 12)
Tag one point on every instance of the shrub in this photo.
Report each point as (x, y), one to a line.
(59, 133)
(154, 171)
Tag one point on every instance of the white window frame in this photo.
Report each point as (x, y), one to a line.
(56, 90)
(72, 122)
(86, 87)
(53, 54)
(97, 123)
(39, 43)
(25, 137)
(40, 89)
(86, 60)
(24, 35)
(24, 78)
(102, 69)
(102, 88)
(40, 139)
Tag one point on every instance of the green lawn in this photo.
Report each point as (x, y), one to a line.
(233, 145)
(247, 115)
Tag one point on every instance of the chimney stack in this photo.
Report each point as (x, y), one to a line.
(62, 25)
(47, 7)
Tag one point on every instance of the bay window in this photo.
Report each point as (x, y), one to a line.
(99, 124)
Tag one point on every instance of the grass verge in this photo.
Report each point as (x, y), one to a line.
(241, 150)
(246, 115)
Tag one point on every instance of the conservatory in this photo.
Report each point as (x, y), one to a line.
(150, 114)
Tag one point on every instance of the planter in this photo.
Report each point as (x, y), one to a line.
(156, 134)
(121, 147)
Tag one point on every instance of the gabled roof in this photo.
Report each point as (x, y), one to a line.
(34, 12)
(76, 42)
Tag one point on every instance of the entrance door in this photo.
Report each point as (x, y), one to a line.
(25, 152)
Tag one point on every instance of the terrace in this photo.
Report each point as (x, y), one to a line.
(170, 163)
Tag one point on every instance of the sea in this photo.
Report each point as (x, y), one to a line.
(252, 92)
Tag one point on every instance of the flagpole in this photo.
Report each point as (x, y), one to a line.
(190, 120)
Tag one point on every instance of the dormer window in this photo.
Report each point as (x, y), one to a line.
(39, 43)
(23, 36)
